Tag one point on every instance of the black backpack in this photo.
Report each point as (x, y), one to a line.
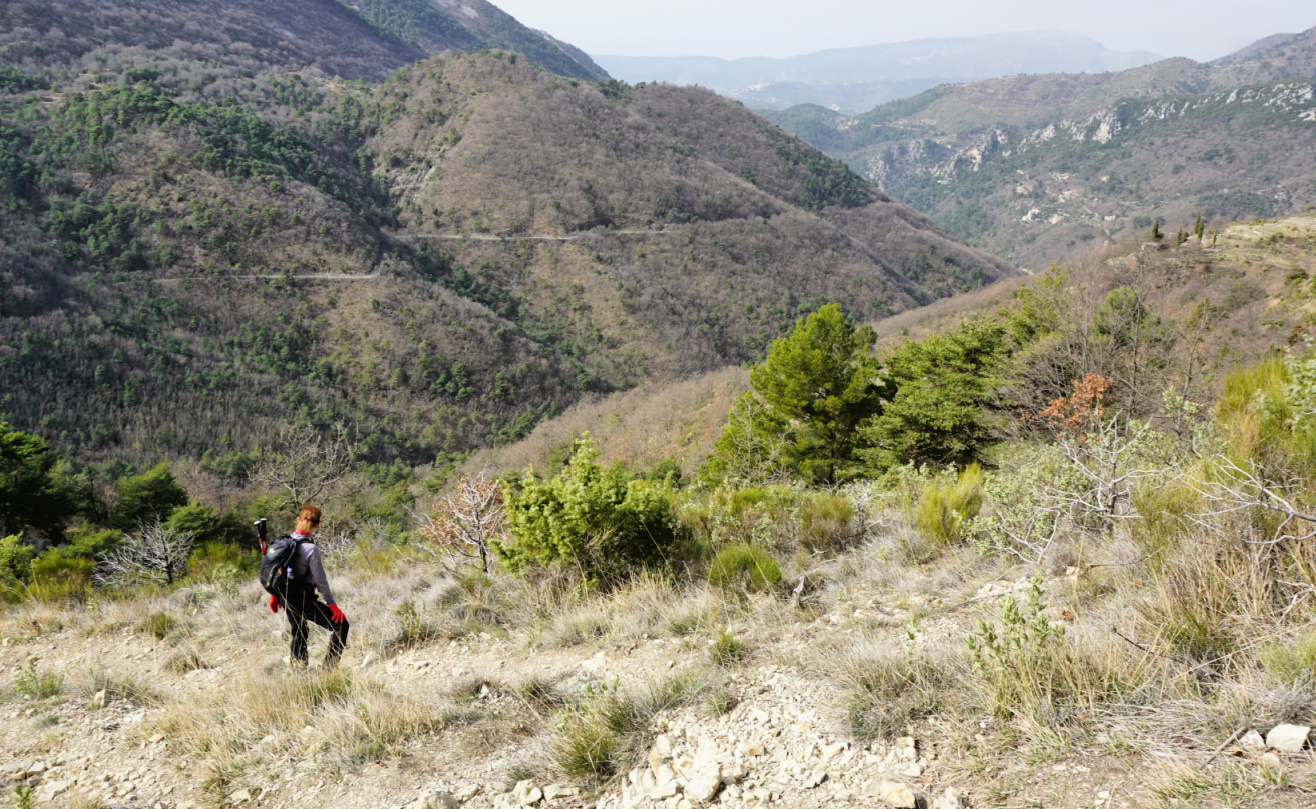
(276, 565)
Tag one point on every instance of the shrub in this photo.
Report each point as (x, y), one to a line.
(36, 684)
(415, 629)
(1017, 661)
(600, 736)
(943, 510)
(746, 567)
(183, 662)
(1026, 668)
(889, 689)
(1292, 664)
(158, 624)
(58, 578)
(826, 522)
(221, 561)
(727, 649)
(588, 517)
(15, 565)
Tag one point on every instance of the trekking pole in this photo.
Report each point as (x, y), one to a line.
(261, 527)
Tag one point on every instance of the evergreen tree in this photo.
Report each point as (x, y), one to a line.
(1199, 227)
(820, 382)
(936, 394)
(1155, 234)
(30, 495)
(149, 497)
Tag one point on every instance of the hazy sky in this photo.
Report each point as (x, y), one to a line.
(1200, 29)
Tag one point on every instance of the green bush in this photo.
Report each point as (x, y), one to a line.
(152, 495)
(727, 649)
(195, 518)
(942, 510)
(15, 566)
(590, 517)
(825, 522)
(58, 577)
(746, 567)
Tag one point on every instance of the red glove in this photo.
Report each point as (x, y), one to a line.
(275, 604)
(338, 616)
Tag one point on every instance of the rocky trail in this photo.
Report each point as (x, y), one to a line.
(767, 733)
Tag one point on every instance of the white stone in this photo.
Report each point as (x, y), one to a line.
(436, 800)
(661, 752)
(241, 796)
(553, 792)
(896, 794)
(1252, 742)
(813, 779)
(953, 799)
(1288, 738)
(525, 793)
(704, 782)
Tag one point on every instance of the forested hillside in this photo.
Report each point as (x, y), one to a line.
(197, 249)
(1037, 168)
(361, 40)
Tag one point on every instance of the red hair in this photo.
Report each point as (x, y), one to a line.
(308, 519)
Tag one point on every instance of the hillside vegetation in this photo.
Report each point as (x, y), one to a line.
(1038, 167)
(1092, 582)
(196, 251)
(358, 40)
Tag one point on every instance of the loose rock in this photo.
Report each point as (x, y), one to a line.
(436, 800)
(1288, 738)
(896, 794)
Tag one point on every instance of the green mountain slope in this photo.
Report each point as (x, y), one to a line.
(194, 251)
(1036, 167)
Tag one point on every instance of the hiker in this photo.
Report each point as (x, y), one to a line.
(302, 603)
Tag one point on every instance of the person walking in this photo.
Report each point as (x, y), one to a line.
(303, 602)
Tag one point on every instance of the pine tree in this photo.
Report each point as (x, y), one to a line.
(1199, 227)
(1180, 237)
(1155, 233)
(820, 381)
(937, 395)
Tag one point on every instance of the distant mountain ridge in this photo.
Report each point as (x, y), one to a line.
(827, 74)
(1036, 167)
(357, 39)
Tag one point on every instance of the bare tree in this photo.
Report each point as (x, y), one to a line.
(465, 521)
(1238, 489)
(309, 466)
(754, 454)
(154, 552)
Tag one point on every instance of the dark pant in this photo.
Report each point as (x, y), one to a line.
(303, 605)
